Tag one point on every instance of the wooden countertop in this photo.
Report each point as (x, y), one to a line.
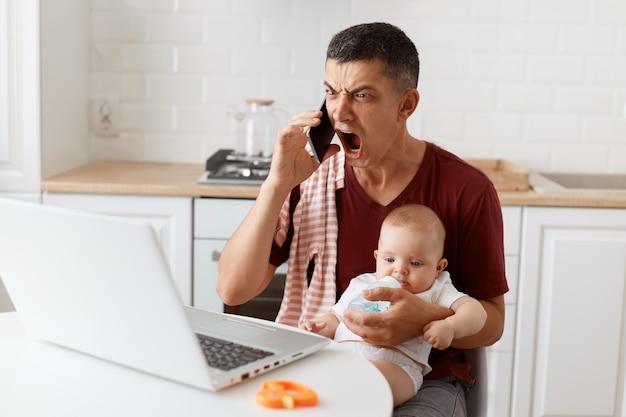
(168, 179)
(142, 178)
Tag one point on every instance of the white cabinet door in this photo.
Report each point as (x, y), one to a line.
(500, 355)
(170, 217)
(206, 254)
(20, 128)
(570, 353)
(215, 220)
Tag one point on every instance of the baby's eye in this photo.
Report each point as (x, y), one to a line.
(389, 260)
(416, 263)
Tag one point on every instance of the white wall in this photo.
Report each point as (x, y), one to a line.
(539, 82)
(65, 80)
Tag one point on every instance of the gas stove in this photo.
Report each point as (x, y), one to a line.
(227, 167)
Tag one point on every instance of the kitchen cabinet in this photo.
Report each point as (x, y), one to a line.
(44, 89)
(570, 343)
(170, 218)
(20, 126)
(19, 106)
(215, 220)
(500, 355)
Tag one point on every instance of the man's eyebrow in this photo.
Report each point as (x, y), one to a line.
(355, 90)
(330, 87)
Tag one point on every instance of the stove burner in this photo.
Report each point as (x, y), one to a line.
(245, 169)
(226, 167)
(255, 160)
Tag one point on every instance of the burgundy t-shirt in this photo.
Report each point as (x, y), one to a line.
(468, 206)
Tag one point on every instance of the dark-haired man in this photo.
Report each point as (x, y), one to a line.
(324, 219)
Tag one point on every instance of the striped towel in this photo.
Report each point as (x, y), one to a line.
(315, 236)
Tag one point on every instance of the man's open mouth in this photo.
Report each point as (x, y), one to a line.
(351, 142)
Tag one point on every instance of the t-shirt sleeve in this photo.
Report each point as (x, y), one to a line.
(447, 294)
(468, 204)
(481, 239)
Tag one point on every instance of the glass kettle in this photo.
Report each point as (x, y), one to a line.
(257, 129)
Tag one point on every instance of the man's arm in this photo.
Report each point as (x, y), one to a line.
(491, 331)
(409, 314)
(405, 319)
(244, 269)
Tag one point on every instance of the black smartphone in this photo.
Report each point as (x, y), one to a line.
(321, 135)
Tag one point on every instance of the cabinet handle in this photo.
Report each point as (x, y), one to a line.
(215, 256)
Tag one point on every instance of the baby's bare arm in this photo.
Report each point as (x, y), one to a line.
(469, 318)
(324, 326)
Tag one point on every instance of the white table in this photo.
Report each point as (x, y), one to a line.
(41, 379)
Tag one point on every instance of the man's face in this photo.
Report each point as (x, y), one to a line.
(365, 110)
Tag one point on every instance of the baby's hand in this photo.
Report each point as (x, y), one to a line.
(439, 333)
(313, 326)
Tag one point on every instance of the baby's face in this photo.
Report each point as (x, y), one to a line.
(412, 258)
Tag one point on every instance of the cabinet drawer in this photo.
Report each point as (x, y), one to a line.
(205, 274)
(217, 218)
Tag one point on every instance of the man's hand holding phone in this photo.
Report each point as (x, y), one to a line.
(291, 162)
(321, 136)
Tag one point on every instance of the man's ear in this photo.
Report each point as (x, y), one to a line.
(408, 104)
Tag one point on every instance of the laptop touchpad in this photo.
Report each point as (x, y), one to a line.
(235, 329)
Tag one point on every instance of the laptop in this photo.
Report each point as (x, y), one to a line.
(100, 285)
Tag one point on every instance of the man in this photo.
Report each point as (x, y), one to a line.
(325, 219)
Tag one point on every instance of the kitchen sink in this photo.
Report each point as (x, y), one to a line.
(563, 182)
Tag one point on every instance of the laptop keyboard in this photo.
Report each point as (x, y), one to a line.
(226, 355)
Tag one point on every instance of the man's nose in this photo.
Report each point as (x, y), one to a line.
(342, 107)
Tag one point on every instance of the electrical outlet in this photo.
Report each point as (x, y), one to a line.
(105, 119)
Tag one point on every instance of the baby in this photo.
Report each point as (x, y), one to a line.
(410, 249)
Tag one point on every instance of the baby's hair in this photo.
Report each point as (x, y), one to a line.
(419, 218)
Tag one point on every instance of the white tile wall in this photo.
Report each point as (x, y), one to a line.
(539, 82)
